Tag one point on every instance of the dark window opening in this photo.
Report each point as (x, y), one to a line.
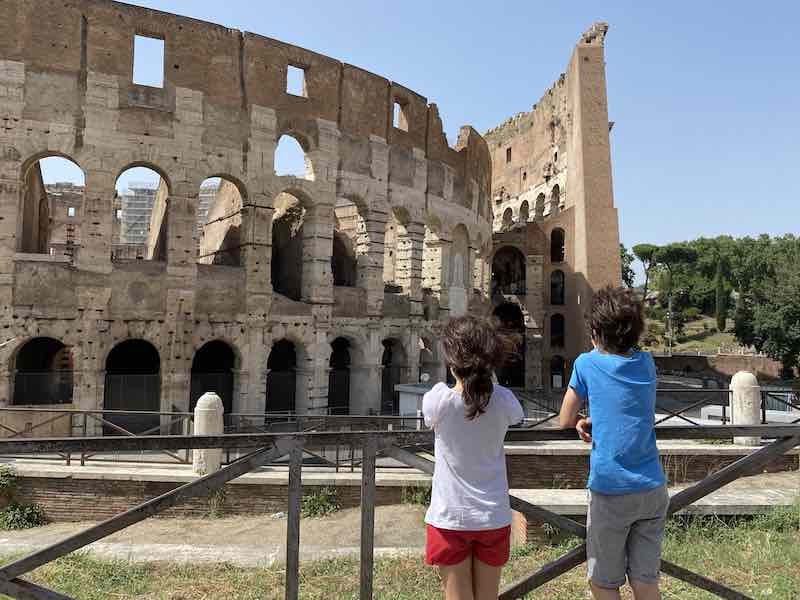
(557, 288)
(557, 246)
(42, 373)
(557, 331)
(393, 362)
(508, 271)
(281, 378)
(512, 374)
(343, 261)
(212, 371)
(508, 155)
(557, 368)
(339, 378)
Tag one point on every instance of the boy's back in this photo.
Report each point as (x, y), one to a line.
(622, 398)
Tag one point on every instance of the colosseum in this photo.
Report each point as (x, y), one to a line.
(315, 293)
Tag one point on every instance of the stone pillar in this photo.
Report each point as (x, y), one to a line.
(256, 254)
(370, 263)
(208, 421)
(365, 388)
(745, 405)
(444, 279)
(317, 278)
(416, 246)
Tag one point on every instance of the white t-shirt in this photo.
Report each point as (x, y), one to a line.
(470, 485)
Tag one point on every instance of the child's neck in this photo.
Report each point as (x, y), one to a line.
(458, 386)
(602, 350)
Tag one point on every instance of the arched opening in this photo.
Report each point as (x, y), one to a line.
(557, 331)
(396, 253)
(281, 378)
(555, 200)
(42, 371)
(141, 216)
(538, 208)
(287, 246)
(524, 212)
(51, 208)
(339, 377)
(557, 288)
(133, 383)
(508, 219)
(219, 223)
(557, 368)
(343, 261)
(512, 374)
(394, 365)
(557, 246)
(508, 271)
(212, 371)
(291, 159)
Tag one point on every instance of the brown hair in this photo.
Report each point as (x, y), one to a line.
(473, 348)
(617, 319)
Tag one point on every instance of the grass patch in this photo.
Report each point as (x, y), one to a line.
(319, 503)
(757, 556)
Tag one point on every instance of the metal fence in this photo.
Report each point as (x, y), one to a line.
(399, 445)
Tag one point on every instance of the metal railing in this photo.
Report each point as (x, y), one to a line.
(399, 445)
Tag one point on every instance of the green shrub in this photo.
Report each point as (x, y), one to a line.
(419, 495)
(692, 313)
(22, 516)
(8, 482)
(319, 503)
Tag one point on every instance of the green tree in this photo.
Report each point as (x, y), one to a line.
(721, 297)
(645, 253)
(672, 257)
(626, 258)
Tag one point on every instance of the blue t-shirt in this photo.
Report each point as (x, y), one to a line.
(622, 402)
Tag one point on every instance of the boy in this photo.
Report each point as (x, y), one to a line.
(628, 497)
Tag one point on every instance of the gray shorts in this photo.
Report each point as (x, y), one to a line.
(625, 535)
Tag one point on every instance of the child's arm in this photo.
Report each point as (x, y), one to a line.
(570, 417)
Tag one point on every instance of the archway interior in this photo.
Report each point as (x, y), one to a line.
(508, 271)
(557, 288)
(339, 377)
(287, 246)
(42, 373)
(141, 216)
(557, 372)
(219, 223)
(132, 383)
(281, 377)
(538, 208)
(350, 241)
(508, 218)
(512, 373)
(396, 253)
(557, 246)
(393, 362)
(555, 201)
(51, 208)
(524, 212)
(212, 371)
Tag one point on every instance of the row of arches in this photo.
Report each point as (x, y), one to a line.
(540, 208)
(42, 374)
(509, 276)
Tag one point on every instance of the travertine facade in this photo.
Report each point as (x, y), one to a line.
(315, 293)
(556, 233)
(142, 333)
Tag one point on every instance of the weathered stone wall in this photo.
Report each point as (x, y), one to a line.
(66, 89)
(551, 171)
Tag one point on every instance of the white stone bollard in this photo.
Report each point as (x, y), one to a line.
(208, 421)
(745, 405)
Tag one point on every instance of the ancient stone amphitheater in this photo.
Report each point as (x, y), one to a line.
(316, 292)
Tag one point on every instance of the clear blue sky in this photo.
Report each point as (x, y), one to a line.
(705, 96)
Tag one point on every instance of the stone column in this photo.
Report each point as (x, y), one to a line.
(97, 224)
(745, 405)
(370, 263)
(416, 246)
(317, 278)
(208, 421)
(11, 189)
(256, 254)
(445, 250)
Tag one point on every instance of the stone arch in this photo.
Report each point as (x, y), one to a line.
(557, 331)
(350, 241)
(508, 271)
(524, 212)
(508, 218)
(214, 368)
(512, 319)
(42, 372)
(557, 246)
(557, 288)
(221, 199)
(50, 205)
(555, 200)
(141, 207)
(132, 383)
(292, 156)
(394, 362)
(284, 387)
(290, 209)
(538, 207)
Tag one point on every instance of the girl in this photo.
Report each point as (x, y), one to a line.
(469, 519)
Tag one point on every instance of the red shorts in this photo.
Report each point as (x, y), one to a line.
(446, 547)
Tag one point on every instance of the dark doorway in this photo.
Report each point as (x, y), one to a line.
(133, 383)
(212, 371)
(281, 377)
(557, 288)
(557, 373)
(343, 261)
(42, 373)
(512, 374)
(508, 271)
(557, 331)
(557, 246)
(287, 247)
(339, 378)
(393, 362)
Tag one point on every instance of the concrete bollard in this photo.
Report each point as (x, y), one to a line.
(208, 421)
(745, 405)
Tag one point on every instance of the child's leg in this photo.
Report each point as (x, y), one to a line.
(644, 545)
(645, 591)
(457, 580)
(485, 580)
(601, 593)
(608, 524)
